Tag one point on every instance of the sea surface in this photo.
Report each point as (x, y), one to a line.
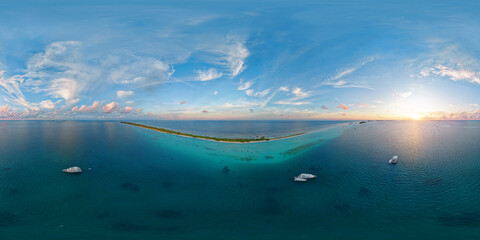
(142, 184)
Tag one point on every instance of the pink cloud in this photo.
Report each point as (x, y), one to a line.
(204, 111)
(183, 102)
(127, 109)
(363, 105)
(5, 108)
(343, 106)
(324, 107)
(85, 108)
(110, 107)
(139, 110)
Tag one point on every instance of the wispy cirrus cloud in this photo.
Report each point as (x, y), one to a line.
(252, 93)
(139, 72)
(11, 87)
(245, 85)
(58, 71)
(207, 75)
(339, 79)
(232, 56)
(456, 73)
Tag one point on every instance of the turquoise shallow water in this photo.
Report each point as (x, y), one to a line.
(149, 185)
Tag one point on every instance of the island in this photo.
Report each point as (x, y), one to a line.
(218, 139)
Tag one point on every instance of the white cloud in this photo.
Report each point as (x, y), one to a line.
(47, 104)
(299, 93)
(405, 94)
(215, 92)
(124, 94)
(5, 108)
(457, 74)
(245, 86)
(208, 75)
(283, 89)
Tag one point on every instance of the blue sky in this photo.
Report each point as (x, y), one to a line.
(239, 60)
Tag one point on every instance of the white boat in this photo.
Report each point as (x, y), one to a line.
(73, 170)
(299, 179)
(307, 176)
(394, 160)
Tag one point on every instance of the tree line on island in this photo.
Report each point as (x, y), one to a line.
(239, 140)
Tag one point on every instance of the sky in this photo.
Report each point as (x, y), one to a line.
(335, 60)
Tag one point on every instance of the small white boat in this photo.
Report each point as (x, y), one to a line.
(299, 179)
(73, 170)
(307, 176)
(394, 160)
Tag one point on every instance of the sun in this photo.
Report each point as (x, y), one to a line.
(415, 116)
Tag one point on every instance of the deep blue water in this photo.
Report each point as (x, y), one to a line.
(149, 185)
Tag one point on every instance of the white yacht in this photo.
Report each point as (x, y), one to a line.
(299, 179)
(307, 176)
(73, 170)
(394, 160)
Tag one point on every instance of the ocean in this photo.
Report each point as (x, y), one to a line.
(142, 184)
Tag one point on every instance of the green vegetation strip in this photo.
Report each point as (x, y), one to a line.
(237, 140)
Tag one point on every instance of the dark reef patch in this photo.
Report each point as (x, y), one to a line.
(300, 148)
(7, 218)
(130, 227)
(167, 184)
(12, 191)
(269, 157)
(433, 181)
(130, 187)
(7, 169)
(342, 207)
(226, 170)
(103, 215)
(364, 192)
(247, 159)
(169, 214)
(468, 219)
(133, 227)
(271, 206)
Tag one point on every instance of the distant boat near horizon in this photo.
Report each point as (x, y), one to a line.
(72, 170)
(394, 160)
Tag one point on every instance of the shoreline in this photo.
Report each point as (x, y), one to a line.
(225, 140)
(214, 139)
